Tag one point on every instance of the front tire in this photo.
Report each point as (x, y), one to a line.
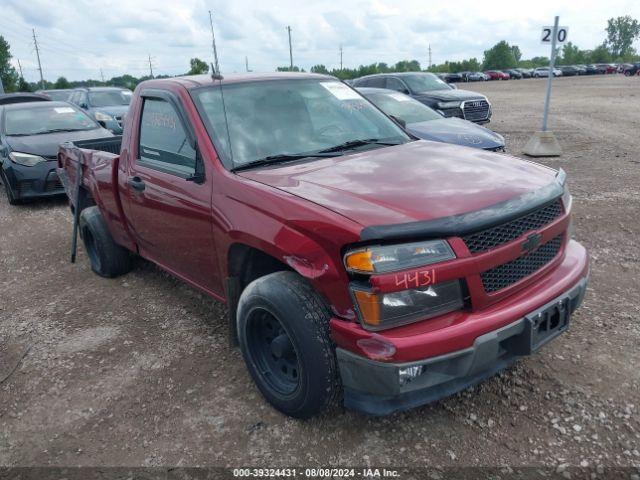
(283, 332)
(108, 259)
(7, 190)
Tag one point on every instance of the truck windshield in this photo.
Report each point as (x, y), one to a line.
(267, 120)
(34, 120)
(403, 107)
(109, 98)
(424, 82)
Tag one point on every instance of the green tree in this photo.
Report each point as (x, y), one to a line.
(499, 56)
(621, 33)
(407, 66)
(62, 83)
(198, 67)
(23, 85)
(319, 69)
(7, 71)
(517, 54)
(600, 54)
(571, 55)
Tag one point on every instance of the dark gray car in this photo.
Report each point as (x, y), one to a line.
(430, 90)
(107, 105)
(427, 124)
(30, 133)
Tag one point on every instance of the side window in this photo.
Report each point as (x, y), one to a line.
(74, 98)
(397, 85)
(377, 82)
(163, 142)
(83, 99)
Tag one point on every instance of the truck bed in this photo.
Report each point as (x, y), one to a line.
(98, 160)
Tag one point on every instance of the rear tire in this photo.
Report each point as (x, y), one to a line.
(283, 332)
(108, 259)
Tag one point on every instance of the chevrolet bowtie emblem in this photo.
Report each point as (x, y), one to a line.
(532, 242)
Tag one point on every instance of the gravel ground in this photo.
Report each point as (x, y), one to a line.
(137, 371)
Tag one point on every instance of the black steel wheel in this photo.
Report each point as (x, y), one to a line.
(272, 350)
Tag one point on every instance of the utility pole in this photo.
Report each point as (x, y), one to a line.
(246, 63)
(35, 43)
(340, 56)
(20, 68)
(1, 85)
(213, 44)
(429, 55)
(102, 75)
(290, 50)
(150, 67)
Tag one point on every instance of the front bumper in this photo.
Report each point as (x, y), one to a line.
(41, 180)
(374, 387)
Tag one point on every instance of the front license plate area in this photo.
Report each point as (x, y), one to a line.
(547, 324)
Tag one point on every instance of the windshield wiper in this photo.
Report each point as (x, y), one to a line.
(357, 143)
(282, 158)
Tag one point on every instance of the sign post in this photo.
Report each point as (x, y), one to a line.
(544, 142)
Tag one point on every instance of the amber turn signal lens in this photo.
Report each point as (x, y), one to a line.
(369, 306)
(359, 261)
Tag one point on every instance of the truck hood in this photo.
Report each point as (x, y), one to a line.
(416, 181)
(449, 95)
(456, 131)
(46, 145)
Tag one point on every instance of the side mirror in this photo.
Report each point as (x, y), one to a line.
(399, 121)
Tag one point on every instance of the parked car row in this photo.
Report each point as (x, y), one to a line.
(540, 72)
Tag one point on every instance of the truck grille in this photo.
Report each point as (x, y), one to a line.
(507, 274)
(476, 110)
(507, 232)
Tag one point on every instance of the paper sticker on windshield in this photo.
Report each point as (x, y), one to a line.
(399, 97)
(64, 110)
(340, 91)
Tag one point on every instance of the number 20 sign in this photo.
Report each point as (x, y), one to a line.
(547, 35)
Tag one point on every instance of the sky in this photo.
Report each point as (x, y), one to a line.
(78, 38)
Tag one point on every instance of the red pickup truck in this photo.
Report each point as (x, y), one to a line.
(357, 262)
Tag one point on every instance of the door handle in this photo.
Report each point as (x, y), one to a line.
(136, 183)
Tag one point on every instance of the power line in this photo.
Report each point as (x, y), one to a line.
(290, 49)
(213, 44)
(35, 43)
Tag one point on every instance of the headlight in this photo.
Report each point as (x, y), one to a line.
(26, 159)
(103, 117)
(448, 104)
(388, 310)
(383, 259)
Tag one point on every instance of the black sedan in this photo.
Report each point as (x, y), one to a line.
(427, 88)
(30, 133)
(427, 124)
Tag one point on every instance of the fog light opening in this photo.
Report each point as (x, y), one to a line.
(377, 348)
